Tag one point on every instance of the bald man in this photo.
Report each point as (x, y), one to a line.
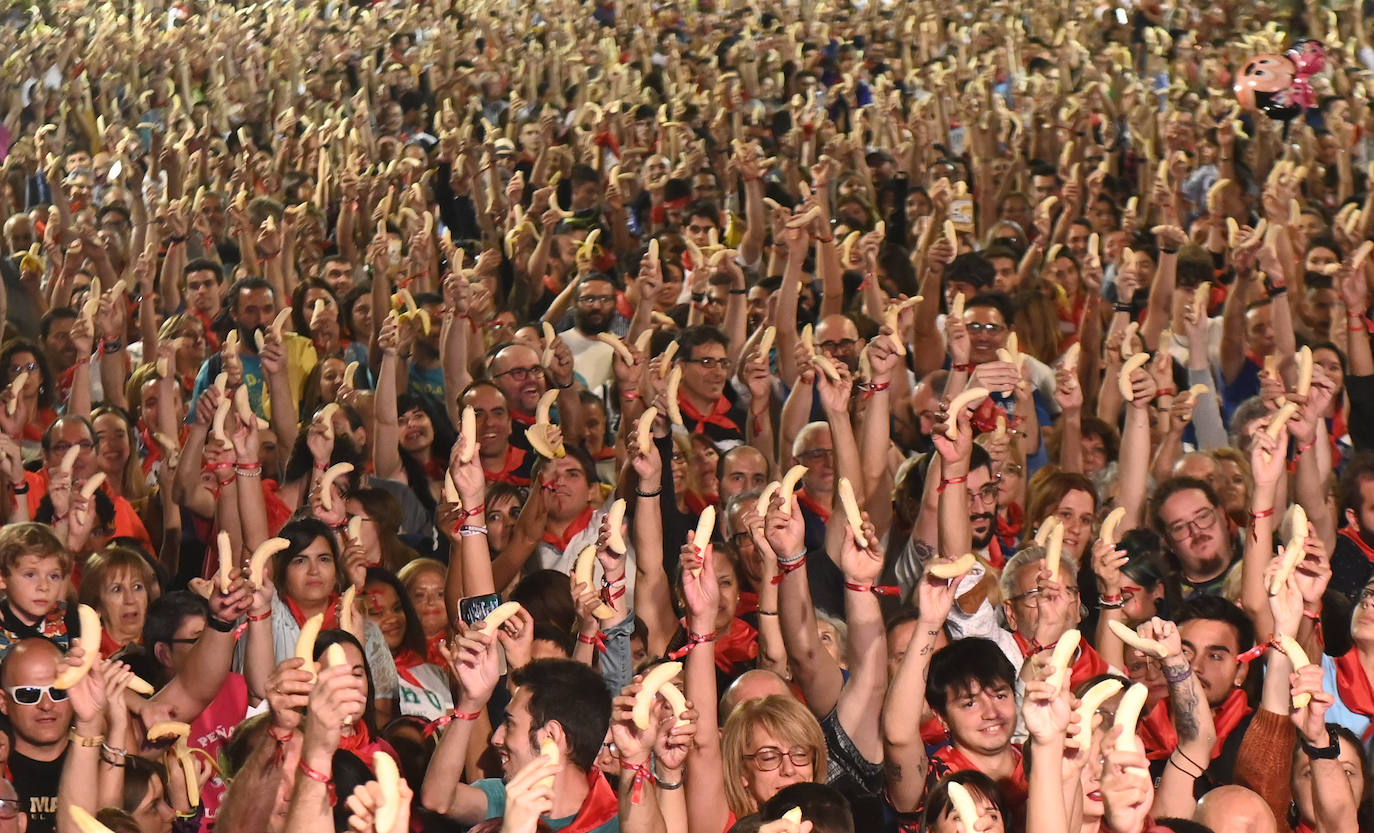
(1233, 809)
(40, 717)
(751, 685)
(13, 819)
(838, 339)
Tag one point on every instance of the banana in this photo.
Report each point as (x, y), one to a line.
(706, 524)
(243, 407)
(221, 414)
(550, 335)
(851, 511)
(305, 642)
(279, 322)
(347, 616)
(467, 437)
(138, 685)
(666, 358)
(808, 337)
(827, 367)
(892, 319)
(956, 406)
(1123, 383)
(1070, 361)
(1298, 657)
(84, 821)
(498, 617)
(670, 395)
(1280, 418)
(952, 569)
(1201, 296)
(1292, 554)
(649, 688)
(673, 695)
(1094, 246)
(350, 373)
(549, 750)
(582, 574)
(222, 384)
(263, 554)
(92, 483)
(1109, 525)
(1089, 703)
(1054, 548)
(334, 655)
(89, 640)
(770, 334)
(766, 496)
(617, 345)
(789, 485)
(964, 808)
(181, 732)
(952, 236)
(956, 307)
(389, 780)
(794, 817)
(327, 483)
(1304, 371)
(1061, 660)
(615, 539)
(355, 528)
(847, 248)
(644, 431)
(226, 560)
(318, 312)
(538, 439)
(1148, 647)
(1128, 714)
(1232, 232)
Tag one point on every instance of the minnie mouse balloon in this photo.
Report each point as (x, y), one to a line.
(1277, 85)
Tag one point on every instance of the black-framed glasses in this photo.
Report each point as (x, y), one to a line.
(63, 448)
(1201, 522)
(29, 367)
(844, 345)
(817, 455)
(770, 758)
(977, 327)
(521, 374)
(29, 695)
(709, 363)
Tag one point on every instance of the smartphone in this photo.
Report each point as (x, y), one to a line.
(474, 609)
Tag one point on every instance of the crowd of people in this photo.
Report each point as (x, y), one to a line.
(661, 418)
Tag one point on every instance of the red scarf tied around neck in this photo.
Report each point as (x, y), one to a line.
(1352, 686)
(1157, 729)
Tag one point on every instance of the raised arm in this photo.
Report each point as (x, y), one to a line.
(706, 812)
(1192, 718)
(386, 449)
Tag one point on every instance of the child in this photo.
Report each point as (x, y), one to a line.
(35, 568)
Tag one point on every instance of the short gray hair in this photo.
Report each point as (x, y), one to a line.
(1024, 557)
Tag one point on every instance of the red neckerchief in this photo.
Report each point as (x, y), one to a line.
(519, 417)
(809, 504)
(623, 305)
(1304, 827)
(1254, 358)
(984, 417)
(1352, 686)
(1157, 729)
(748, 602)
(717, 416)
(515, 458)
(359, 742)
(331, 612)
(1014, 790)
(1351, 533)
(579, 523)
(434, 469)
(606, 453)
(600, 806)
(432, 654)
(1087, 663)
(741, 644)
(1011, 526)
(995, 558)
(407, 659)
(933, 732)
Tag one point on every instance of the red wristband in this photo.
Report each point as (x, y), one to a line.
(950, 482)
(439, 722)
(876, 589)
(260, 617)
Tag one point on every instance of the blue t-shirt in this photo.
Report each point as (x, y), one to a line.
(495, 789)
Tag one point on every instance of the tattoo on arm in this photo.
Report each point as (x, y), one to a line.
(1185, 703)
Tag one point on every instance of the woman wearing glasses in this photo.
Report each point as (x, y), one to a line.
(39, 396)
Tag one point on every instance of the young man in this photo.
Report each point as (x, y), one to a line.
(706, 406)
(40, 718)
(1190, 517)
(502, 460)
(558, 700)
(1215, 634)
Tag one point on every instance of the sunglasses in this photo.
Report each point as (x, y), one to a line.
(29, 695)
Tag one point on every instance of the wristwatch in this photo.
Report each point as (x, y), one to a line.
(1322, 753)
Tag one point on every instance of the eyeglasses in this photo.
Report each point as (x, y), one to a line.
(29, 695)
(1031, 598)
(978, 327)
(987, 494)
(1201, 522)
(817, 455)
(844, 345)
(63, 448)
(16, 369)
(709, 363)
(521, 374)
(770, 758)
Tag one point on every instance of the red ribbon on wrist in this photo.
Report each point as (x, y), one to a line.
(788, 568)
(875, 589)
(693, 640)
(642, 774)
(597, 639)
(440, 722)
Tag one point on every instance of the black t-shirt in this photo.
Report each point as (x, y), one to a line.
(36, 782)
